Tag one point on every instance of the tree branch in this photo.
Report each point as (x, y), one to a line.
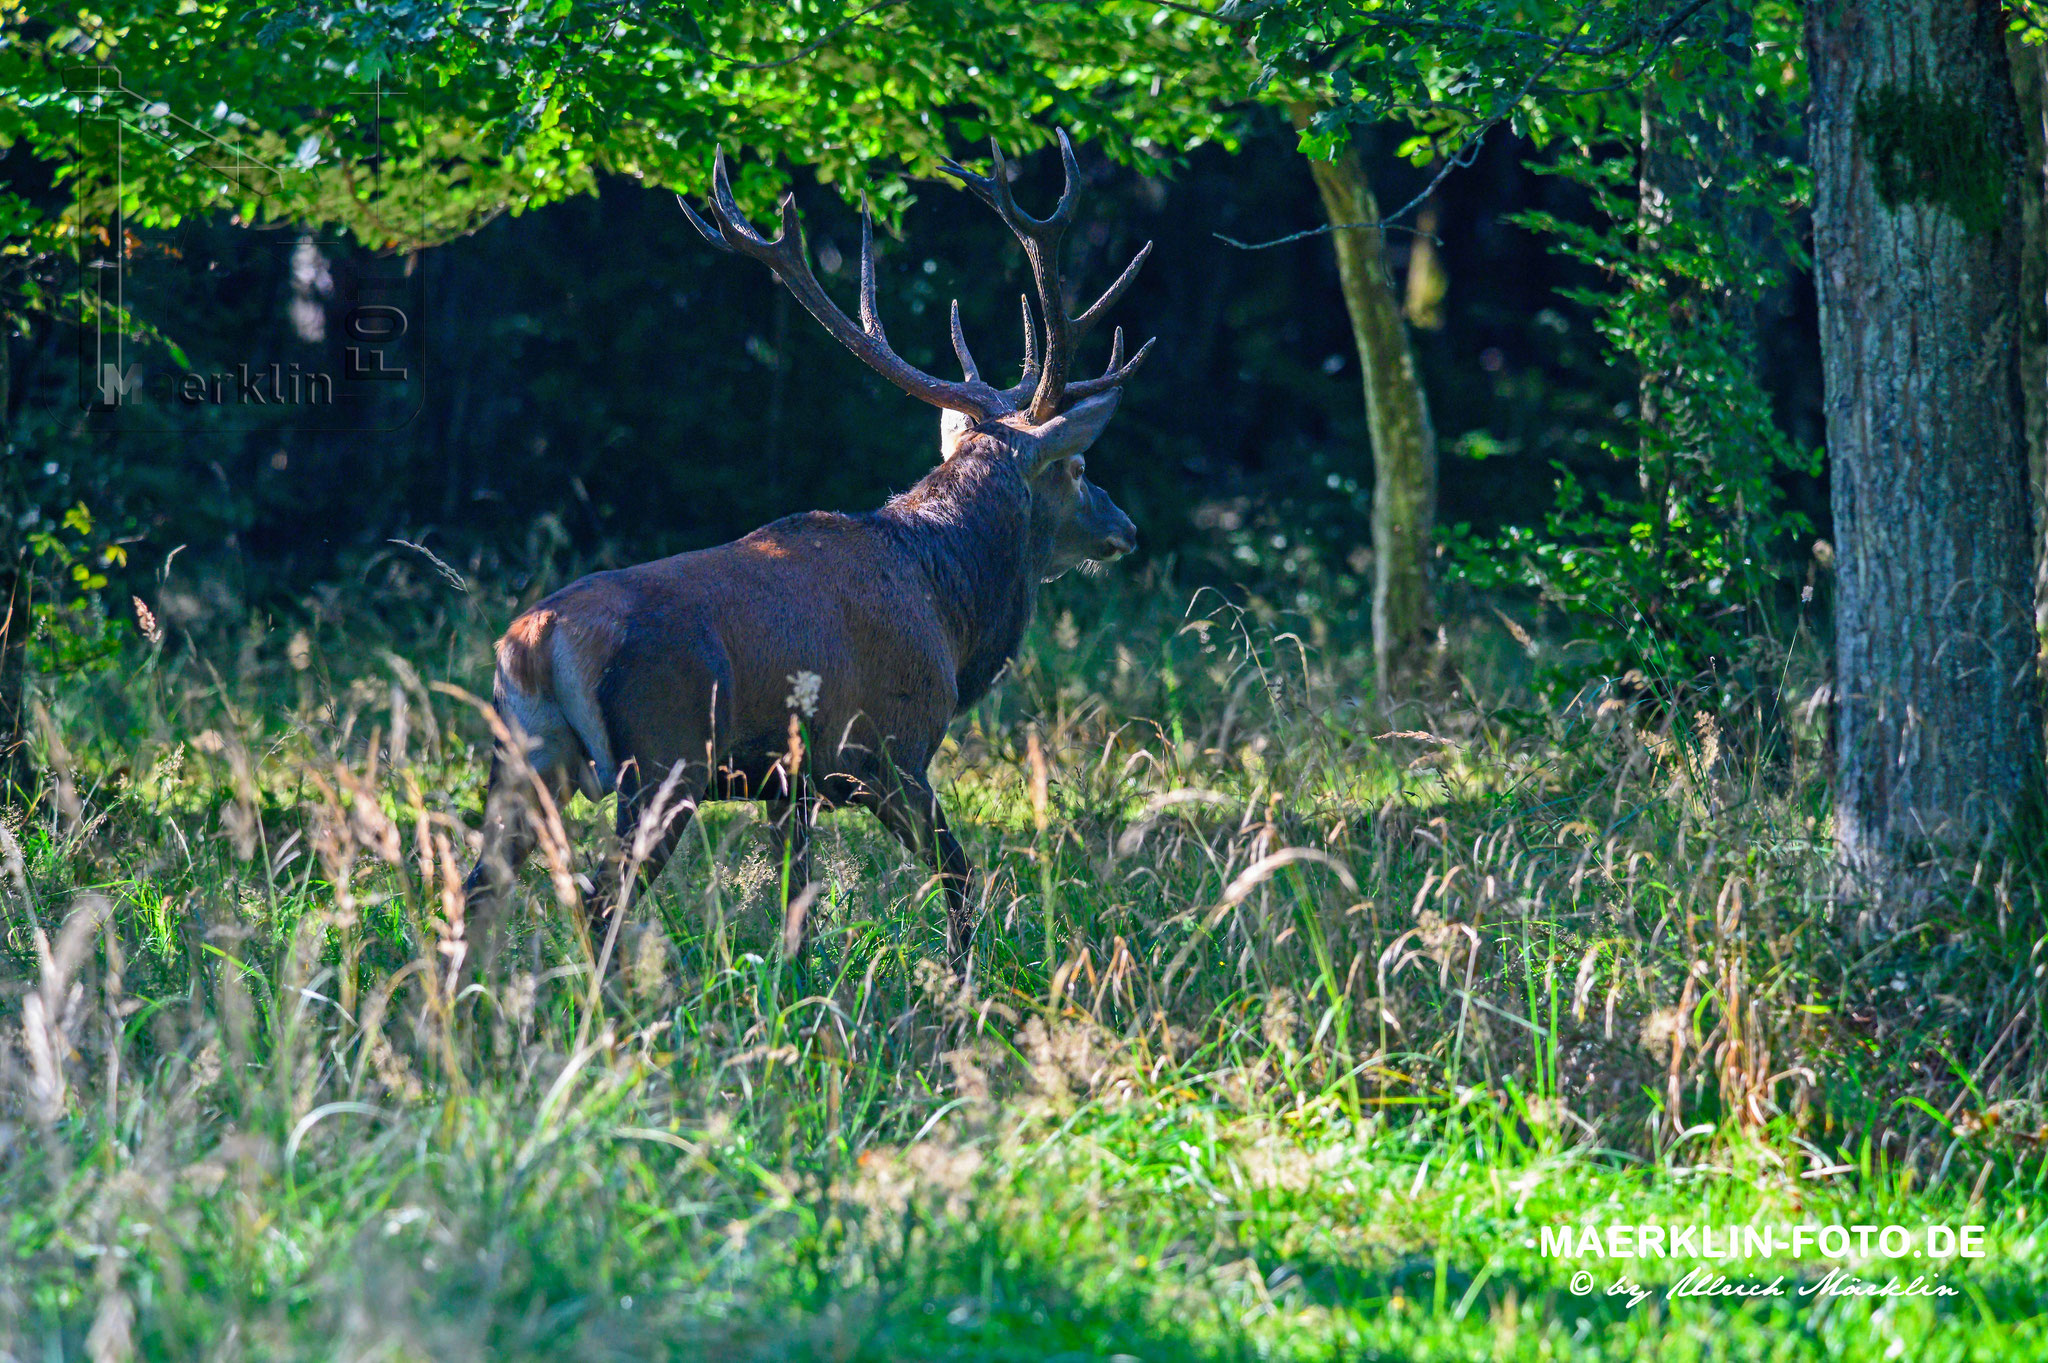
(734, 64)
(1229, 12)
(1660, 37)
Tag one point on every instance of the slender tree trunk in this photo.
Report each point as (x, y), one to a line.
(1403, 441)
(1422, 301)
(2030, 85)
(1915, 143)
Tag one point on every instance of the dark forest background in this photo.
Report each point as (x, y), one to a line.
(596, 386)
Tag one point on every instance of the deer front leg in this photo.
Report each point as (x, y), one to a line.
(910, 809)
(789, 824)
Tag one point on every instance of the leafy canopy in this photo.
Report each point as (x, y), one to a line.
(407, 123)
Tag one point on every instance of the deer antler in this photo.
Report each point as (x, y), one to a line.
(784, 254)
(1046, 384)
(1042, 393)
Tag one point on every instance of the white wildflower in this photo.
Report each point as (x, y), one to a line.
(803, 693)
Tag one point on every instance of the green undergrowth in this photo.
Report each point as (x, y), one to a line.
(1293, 1026)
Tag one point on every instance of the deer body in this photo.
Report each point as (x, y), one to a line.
(905, 615)
(818, 660)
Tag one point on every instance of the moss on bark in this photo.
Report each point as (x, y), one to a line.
(1936, 147)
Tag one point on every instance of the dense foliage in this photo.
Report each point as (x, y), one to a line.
(1683, 578)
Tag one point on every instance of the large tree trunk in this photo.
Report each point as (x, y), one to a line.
(1403, 441)
(2030, 85)
(1915, 143)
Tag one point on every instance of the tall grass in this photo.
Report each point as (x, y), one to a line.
(1290, 1025)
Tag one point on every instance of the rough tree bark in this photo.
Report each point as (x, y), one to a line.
(1915, 142)
(1403, 441)
(2030, 86)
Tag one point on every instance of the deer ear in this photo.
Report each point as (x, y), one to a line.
(1069, 433)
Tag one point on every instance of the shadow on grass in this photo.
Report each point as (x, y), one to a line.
(997, 1304)
(980, 1303)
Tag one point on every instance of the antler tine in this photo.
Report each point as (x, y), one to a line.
(994, 190)
(732, 224)
(1030, 345)
(967, 365)
(1070, 189)
(1115, 375)
(785, 256)
(980, 184)
(1019, 393)
(870, 314)
(704, 229)
(1081, 325)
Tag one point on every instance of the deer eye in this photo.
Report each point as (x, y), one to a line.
(1077, 468)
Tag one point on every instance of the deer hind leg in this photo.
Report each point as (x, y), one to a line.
(653, 815)
(910, 809)
(555, 757)
(509, 836)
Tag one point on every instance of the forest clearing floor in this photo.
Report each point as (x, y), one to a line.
(1293, 1029)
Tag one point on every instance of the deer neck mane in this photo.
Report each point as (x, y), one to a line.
(969, 524)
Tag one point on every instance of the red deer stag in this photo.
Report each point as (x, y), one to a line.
(682, 680)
